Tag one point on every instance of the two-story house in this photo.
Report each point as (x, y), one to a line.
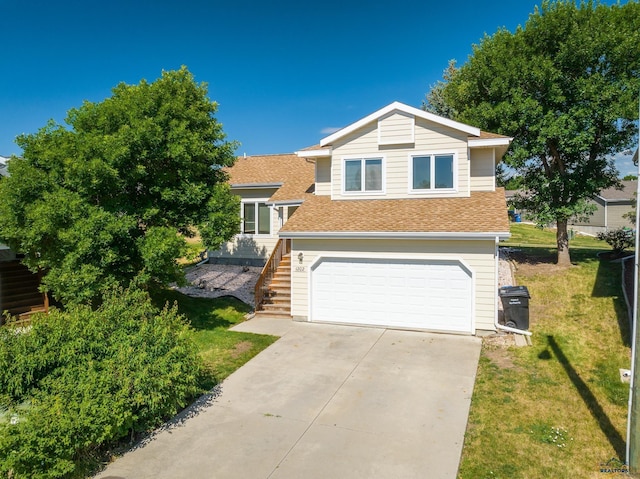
(392, 221)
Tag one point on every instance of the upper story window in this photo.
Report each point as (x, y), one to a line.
(430, 172)
(362, 175)
(256, 218)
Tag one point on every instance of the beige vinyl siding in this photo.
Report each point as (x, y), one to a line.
(251, 246)
(323, 176)
(396, 129)
(483, 169)
(429, 137)
(478, 255)
(246, 247)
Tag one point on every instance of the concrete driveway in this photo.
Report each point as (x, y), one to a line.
(324, 401)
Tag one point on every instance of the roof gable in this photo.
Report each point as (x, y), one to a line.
(404, 110)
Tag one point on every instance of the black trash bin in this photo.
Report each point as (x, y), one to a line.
(515, 302)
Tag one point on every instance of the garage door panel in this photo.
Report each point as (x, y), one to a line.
(392, 293)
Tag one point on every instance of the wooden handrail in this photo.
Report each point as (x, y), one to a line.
(283, 247)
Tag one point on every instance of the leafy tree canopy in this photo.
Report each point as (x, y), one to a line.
(565, 87)
(110, 198)
(80, 380)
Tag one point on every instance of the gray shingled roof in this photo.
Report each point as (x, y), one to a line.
(625, 194)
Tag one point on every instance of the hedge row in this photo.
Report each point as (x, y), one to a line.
(78, 381)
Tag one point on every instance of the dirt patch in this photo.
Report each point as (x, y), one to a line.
(496, 348)
(241, 348)
(530, 265)
(499, 340)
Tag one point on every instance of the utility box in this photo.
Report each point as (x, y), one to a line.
(515, 302)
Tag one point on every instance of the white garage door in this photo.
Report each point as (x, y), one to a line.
(410, 294)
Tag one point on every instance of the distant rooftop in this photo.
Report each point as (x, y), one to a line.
(623, 194)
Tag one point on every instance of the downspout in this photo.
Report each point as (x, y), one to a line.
(499, 326)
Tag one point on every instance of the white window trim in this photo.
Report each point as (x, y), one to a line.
(362, 192)
(433, 190)
(255, 201)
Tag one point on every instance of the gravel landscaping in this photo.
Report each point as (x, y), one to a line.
(216, 280)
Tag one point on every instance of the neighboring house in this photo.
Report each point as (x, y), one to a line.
(611, 206)
(19, 294)
(392, 221)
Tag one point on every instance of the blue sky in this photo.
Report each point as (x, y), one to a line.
(285, 73)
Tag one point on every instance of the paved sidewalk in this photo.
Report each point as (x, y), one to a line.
(324, 401)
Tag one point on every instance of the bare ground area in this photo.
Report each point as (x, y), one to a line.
(216, 280)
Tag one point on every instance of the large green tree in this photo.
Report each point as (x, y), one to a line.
(110, 198)
(565, 87)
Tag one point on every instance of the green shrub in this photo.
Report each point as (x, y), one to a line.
(80, 380)
(619, 239)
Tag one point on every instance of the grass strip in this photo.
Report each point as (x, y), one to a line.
(557, 408)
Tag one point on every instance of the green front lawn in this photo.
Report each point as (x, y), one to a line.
(223, 351)
(557, 408)
(528, 235)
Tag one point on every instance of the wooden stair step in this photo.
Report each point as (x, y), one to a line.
(277, 300)
(283, 293)
(283, 280)
(275, 307)
(33, 308)
(271, 314)
(27, 315)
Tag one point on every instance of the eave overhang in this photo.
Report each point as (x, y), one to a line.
(489, 142)
(408, 235)
(321, 153)
(255, 185)
(285, 203)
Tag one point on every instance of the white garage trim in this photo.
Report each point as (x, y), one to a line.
(397, 259)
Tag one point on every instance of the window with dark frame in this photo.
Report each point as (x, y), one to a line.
(252, 222)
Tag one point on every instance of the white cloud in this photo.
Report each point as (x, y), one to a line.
(328, 130)
(624, 164)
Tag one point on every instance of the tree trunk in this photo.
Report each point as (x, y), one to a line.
(562, 239)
